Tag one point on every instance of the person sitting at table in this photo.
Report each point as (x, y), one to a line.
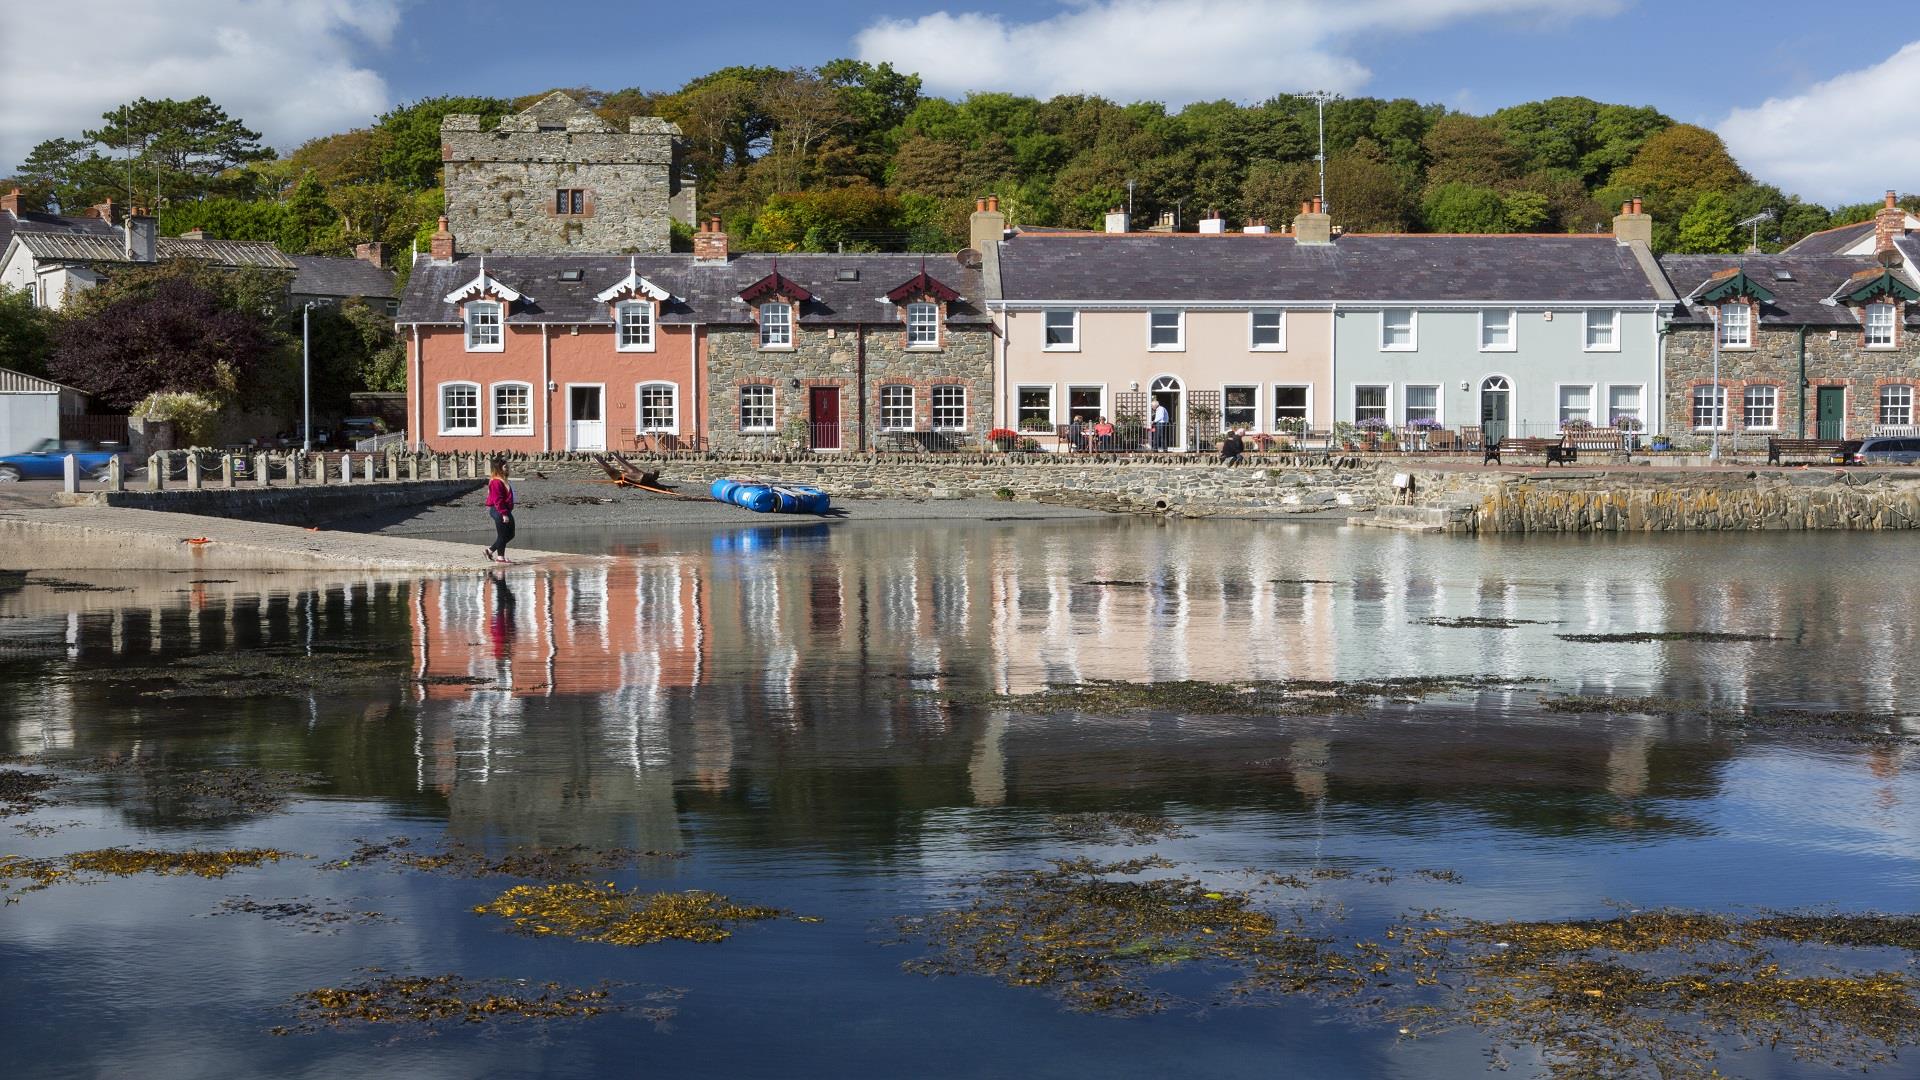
(1103, 433)
(1232, 447)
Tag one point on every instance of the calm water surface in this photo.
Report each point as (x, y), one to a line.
(774, 703)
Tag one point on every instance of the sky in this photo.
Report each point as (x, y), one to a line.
(1816, 106)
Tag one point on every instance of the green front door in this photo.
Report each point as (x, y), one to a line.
(1832, 412)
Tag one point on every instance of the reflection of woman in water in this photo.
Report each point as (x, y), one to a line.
(503, 615)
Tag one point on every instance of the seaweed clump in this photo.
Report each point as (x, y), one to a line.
(1475, 622)
(559, 863)
(85, 867)
(20, 791)
(1116, 827)
(1294, 697)
(1665, 635)
(435, 1002)
(600, 912)
(1868, 724)
(275, 671)
(306, 915)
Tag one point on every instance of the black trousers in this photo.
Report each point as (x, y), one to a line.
(502, 530)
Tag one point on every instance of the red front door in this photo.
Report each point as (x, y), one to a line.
(823, 415)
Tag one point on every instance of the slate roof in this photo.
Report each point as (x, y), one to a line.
(1796, 302)
(329, 275)
(1830, 241)
(1355, 268)
(33, 219)
(96, 247)
(702, 293)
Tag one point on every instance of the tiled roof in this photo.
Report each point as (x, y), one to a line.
(329, 275)
(19, 382)
(1798, 298)
(33, 219)
(1830, 241)
(702, 293)
(1356, 268)
(109, 247)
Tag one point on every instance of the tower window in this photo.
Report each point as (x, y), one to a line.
(570, 201)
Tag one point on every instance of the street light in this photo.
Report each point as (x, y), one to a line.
(306, 379)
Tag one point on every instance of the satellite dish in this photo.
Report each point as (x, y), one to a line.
(968, 258)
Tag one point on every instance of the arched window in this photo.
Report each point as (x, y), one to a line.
(1167, 382)
(1496, 382)
(460, 408)
(659, 406)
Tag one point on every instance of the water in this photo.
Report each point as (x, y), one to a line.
(774, 703)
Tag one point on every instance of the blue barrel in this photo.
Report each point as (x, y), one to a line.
(811, 499)
(756, 497)
(722, 489)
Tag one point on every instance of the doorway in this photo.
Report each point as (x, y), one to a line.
(1832, 412)
(1496, 401)
(1167, 391)
(823, 417)
(586, 418)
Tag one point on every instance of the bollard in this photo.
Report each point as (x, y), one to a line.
(433, 467)
(293, 470)
(393, 467)
(346, 468)
(193, 472)
(320, 470)
(226, 470)
(72, 474)
(116, 474)
(260, 477)
(366, 468)
(413, 466)
(156, 472)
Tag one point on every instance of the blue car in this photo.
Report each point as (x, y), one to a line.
(47, 461)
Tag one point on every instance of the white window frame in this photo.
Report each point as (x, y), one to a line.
(1098, 412)
(1278, 346)
(1179, 330)
(773, 408)
(1439, 402)
(499, 310)
(1053, 405)
(1593, 404)
(912, 407)
(1693, 407)
(1881, 404)
(785, 344)
(1074, 322)
(1273, 402)
(933, 323)
(1513, 330)
(493, 405)
(1587, 324)
(640, 410)
(1720, 326)
(1353, 401)
(1890, 324)
(620, 342)
(1413, 331)
(479, 409)
(1746, 422)
(1639, 393)
(934, 406)
(1258, 398)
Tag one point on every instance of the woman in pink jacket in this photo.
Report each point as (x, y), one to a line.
(500, 507)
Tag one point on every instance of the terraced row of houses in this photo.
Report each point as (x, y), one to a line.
(1306, 330)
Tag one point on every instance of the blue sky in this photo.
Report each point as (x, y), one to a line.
(1781, 87)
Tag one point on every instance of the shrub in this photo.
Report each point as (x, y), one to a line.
(195, 416)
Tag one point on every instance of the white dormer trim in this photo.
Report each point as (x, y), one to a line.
(482, 285)
(635, 285)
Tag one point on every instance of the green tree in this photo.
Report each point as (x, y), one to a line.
(1465, 208)
(26, 332)
(1527, 211)
(1676, 166)
(407, 139)
(179, 147)
(1708, 227)
(1467, 150)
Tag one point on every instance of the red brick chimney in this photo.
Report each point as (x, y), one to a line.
(710, 243)
(1888, 225)
(442, 249)
(103, 211)
(372, 253)
(196, 233)
(10, 202)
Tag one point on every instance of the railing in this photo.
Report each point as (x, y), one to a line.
(392, 440)
(1907, 430)
(823, 435)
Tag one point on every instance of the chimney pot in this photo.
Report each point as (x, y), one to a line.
(979, 206)
(442, 250)
(1314, 225)
(988, 225)
(710, 244)
(993, 204)
(1891, 202)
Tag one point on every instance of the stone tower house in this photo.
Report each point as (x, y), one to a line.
(557, 177)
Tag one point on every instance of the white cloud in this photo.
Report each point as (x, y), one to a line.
(1845, 140)
(1175, 51)
(289, 69)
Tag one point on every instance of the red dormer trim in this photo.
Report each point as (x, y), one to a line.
(775, 285)
(923, 286)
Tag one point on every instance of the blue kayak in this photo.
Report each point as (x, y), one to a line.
(771, 498)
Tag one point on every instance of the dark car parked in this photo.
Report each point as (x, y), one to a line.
(1882, 450)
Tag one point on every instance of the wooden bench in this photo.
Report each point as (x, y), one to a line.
(1820, 450)
(1597, 441)
(1555, 450)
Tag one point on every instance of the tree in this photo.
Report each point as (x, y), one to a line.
(178, 146)
(1467, 150)
(408, 138)
(1708, 227)
(1465, 208)
(1526, 210)
(26, 332)
(350, 347)
(71, 174)
(1675, 167)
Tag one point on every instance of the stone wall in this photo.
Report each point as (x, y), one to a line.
(734, 359)
(287, 505)
(1649, 501)
(1840, 360)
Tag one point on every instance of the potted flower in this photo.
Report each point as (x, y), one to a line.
(1576, 427)
(1343, 434)
(1373, 429)
(1293, 427)
(1629, 429)
(1002, 439)
(1262, 442)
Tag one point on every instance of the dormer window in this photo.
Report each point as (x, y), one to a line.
(1736, 326)
(1880, 321)
(923, 326)
(484, 332)
(776, 325)
(634, 319)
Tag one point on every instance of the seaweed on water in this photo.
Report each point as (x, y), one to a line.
(559, 863)
(1116, 827)
(1476, 622)
(1300, 697)
(275, 671)
(313, 917)
(191, 791)
(1666, 635)
(430, 1003)
(86, 867)
(1869, 725)
(20, 791)
(588, 911)
(1118, 584)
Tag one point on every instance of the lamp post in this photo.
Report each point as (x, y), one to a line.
(1719, 395)
(306, 379)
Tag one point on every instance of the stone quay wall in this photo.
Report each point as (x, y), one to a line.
(285, 505)
(1650, 501)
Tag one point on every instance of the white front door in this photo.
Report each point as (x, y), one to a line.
(586, 418)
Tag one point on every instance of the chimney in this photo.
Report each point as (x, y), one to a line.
(710, 244)
(1888, 225)
(1118, 221)
(10, 202)
(442, 250)
(1213, 223)
(1633, 223)
(1167, 223)
(1314, 225)
(196, 233)
(987, 225)
(371, 253)
(103, 211)
(140, 232)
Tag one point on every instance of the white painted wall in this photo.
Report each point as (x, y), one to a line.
(25, 419)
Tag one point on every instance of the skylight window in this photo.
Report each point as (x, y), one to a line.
(572, 275)
(1783, 275)
(847, 273)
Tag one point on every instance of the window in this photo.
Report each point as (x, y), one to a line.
(949, 408)
(569, 201)
(1086, 402)
(776, 326)
(1370, 403)
(1397, 329)
(1063, 329)
(1242, 407)
(896, 408)
(1736, 326)
(483, 326)
(1710, 408)
(1623, 403)
(1166, 330)
(459, 409)
(1423, 405)
(657, 407)
(1879, 326)
(1035, 408)
(1603, 331)
(756, 408)
(1268, 331)
(512, 409)
(1762, 407)
(636, 326)
(1496, 331)
(923, 326)
(1896, 405)
(1576, 403)
(1290, 408)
